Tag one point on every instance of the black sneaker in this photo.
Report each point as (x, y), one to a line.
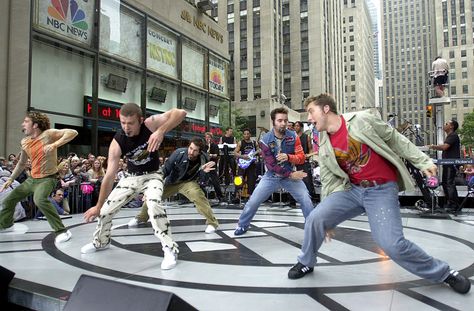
(298, 271)
(458, 282)
(240, 230)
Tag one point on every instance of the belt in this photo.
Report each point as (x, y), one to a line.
(142, 173)
(370, 183)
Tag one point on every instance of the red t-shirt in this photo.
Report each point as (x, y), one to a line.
(360, 161)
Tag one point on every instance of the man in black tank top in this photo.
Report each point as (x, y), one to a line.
(246, 153)
(138, 141)
(227, 145)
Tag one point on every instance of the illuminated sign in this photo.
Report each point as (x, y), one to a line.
(107, 111)
(216, 131)
(110, 111)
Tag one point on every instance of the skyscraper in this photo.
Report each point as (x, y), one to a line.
(375, 32)
(284, 50)
(408, 50)
(358, 56)
(455, 39)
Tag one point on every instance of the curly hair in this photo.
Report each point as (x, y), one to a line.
(39, 118)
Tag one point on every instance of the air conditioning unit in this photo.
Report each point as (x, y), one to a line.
(158, 94)
(117, 83)
(213, 110)
(189, 103)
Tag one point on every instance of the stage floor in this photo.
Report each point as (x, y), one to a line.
(222, 272)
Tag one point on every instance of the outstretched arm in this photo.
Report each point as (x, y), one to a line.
(160, 124)
(442, 147)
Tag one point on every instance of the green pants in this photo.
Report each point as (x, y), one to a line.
(41, 188)
(194, 193)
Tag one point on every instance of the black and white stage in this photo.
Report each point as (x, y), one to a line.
(219, 271)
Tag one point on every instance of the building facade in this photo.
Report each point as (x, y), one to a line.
(358, 56)
(455, 43)
(408, 51)
(78, 61)
(374, 17)
(283, 51)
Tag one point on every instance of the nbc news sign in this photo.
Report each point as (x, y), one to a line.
(69, 18)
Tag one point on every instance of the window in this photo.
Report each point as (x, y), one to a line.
(57, 63)
(193, 64)
(121, 31)
(162, 50)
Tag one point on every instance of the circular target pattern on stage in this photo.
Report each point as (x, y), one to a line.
(259, 260)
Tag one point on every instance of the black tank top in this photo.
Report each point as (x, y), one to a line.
(246, 147)
(139, 160)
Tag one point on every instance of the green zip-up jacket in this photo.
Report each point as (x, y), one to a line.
(369, 129)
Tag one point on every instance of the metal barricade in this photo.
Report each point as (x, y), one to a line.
(79, 200)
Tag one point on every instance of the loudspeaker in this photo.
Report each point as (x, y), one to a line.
(92, 293)
(6, 276)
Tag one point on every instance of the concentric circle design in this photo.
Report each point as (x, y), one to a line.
(259, 260)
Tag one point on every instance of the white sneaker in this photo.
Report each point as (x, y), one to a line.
(134, 222)
(210, 229)
(9, 229)
(169, 259)
(90, 248)
(63, 237)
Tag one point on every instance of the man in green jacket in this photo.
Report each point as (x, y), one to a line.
(362, 172)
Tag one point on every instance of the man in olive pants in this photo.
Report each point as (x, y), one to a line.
(40, 145)
(181, 171)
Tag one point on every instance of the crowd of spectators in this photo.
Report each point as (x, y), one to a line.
(79, 180)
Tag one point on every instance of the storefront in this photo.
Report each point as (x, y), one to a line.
(83, 65)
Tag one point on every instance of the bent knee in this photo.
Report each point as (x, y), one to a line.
(394, 248)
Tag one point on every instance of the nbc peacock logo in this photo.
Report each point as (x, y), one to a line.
(67, 17)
